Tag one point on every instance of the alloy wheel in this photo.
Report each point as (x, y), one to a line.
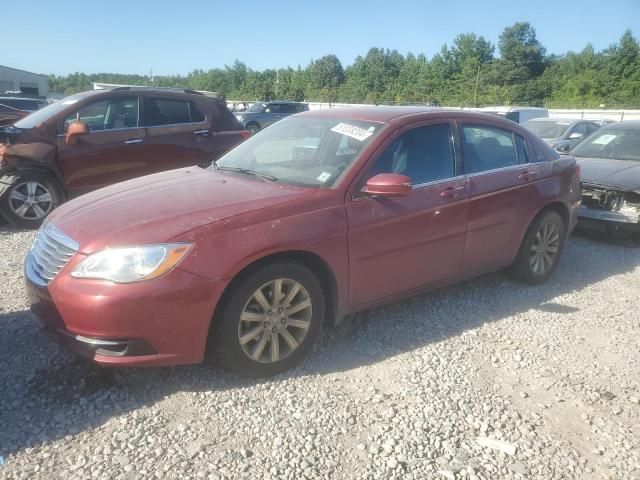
(31, 200)
(544, 248)
(275, 320)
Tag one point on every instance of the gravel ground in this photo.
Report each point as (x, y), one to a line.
(549, 374)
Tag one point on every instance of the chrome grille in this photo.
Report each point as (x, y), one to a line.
(51, 250)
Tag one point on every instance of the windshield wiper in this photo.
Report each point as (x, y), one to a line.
(246, 171)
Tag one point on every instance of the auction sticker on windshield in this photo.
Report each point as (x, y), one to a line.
(352, 131)
(604, 139)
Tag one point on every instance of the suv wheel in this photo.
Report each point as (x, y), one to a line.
(270, 321)
(541, 249)
(28, 198)
(253, 127)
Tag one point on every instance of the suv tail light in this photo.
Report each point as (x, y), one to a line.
(245, 134)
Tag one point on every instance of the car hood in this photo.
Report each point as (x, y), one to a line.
(159, 207)
(623, 174)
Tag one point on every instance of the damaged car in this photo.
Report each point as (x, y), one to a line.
(97, 138)
(610, 163)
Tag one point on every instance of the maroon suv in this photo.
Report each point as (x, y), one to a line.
(97, 138)
(322, 214)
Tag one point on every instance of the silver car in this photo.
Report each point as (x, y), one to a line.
(562, 134)
(262, 114)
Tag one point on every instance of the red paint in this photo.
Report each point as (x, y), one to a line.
(379, 248)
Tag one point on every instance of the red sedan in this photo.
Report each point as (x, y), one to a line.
(322, 214)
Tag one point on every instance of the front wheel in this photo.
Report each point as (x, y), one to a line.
(270, 320)
(253, 127)
(541, 249)
(28, 198)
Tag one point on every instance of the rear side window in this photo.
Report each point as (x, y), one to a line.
(521, 146)
(591, 127)
(289, 108)
(425, 154)
(164, 111)
(196, 114)
(487, 148)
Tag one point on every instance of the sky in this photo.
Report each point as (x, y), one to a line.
(174, 37)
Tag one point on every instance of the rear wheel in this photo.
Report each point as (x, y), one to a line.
(270, 320)
(28, 198)
(541, 249)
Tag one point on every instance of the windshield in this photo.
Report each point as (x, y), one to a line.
(547, 128)
(304, 150)
(44, 114)
(257, 108)
(614, 143)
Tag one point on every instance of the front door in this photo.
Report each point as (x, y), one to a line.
(402, 243)
(110, 153)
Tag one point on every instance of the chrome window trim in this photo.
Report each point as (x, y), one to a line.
(517, 166)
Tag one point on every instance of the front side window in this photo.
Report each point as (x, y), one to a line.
(305, 151)
(580, 128)
(487, 148)
(273, 108)
(424, 154)
(592, 127)
(165, 111)
(257, 108)
(115, 113)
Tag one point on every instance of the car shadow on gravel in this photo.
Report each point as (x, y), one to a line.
(48, 393)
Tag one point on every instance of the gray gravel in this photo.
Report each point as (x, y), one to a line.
(488, 379)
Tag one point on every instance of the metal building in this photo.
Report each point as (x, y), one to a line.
(14, 80)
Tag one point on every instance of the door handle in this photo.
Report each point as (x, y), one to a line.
(452, 192)
(203, 133)
(526, 176)
(134, 140)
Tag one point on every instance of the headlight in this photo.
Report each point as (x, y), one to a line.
(131, 264)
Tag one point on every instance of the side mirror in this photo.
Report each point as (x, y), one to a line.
(388, 185)
(75, 131)
(576, 136)
(563, 148)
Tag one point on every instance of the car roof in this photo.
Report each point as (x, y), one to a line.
(384, 114)
(507, 109)
(283, 101)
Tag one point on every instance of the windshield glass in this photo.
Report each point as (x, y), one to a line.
(614, 143)
(547, 128)
(44, 114)
(257, 108)
(304, 151)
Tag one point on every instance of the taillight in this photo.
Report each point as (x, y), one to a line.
(245, 134)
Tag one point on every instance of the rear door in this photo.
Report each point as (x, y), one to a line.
(502, 192)
(399, 244)
(178, 132)
(272, 114)
(113, 149)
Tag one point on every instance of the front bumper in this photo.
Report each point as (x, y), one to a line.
(607, 220)
(164, 321)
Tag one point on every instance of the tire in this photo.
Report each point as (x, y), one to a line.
(253, 127)
(26, 198)
(541, 249)
(230, 332)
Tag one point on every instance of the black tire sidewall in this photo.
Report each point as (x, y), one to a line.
(225, 328)
(522, 266)
(18, 178)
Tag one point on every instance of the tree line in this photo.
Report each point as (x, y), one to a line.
(469, 72)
